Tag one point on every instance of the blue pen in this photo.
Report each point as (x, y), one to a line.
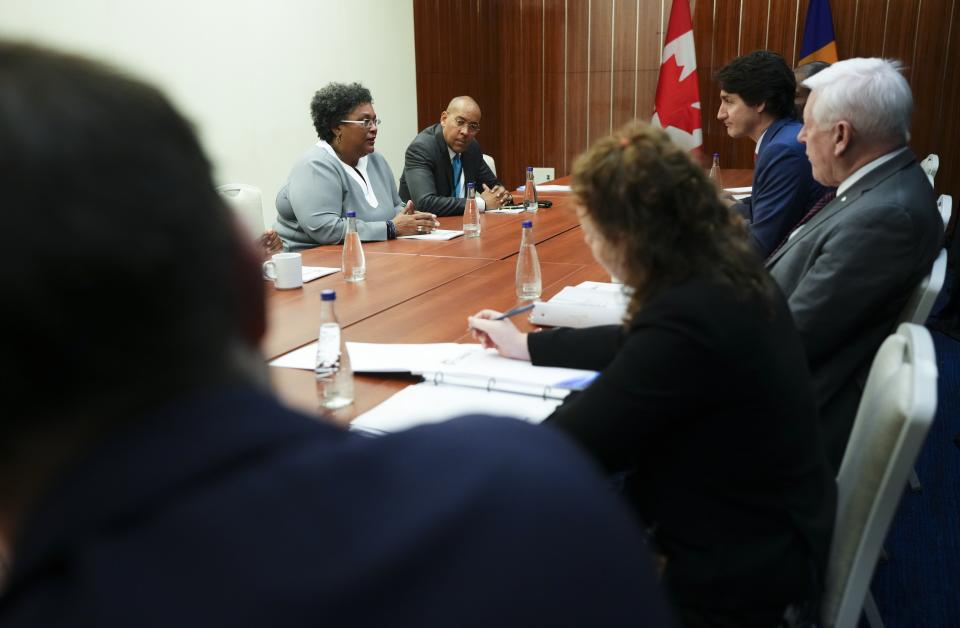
(520, 309)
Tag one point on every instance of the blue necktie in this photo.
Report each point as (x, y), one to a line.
(456, 175)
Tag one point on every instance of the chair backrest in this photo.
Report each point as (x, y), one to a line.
(893, 419)
(930, 165)
(945, 205)
(921, 302)
(245, 200)
(490, 163)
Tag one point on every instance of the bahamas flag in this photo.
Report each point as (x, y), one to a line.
(819, 43)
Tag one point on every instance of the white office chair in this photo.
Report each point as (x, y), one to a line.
(490, 163)
(245, 200)
(918, 309)
(893, 419)
(945, 205)
(921, 302)
(930, 165)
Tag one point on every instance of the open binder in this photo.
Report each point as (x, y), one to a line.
(469, 380)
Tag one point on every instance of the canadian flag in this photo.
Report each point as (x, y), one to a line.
(677, 108)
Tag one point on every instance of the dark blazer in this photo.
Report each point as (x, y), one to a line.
(706, 398)
(229, 510)
(783, 187)
(427, 177)
(847, 275)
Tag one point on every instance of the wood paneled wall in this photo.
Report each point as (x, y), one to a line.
(553, 75)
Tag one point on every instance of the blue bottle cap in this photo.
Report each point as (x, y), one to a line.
(351, 214)
(328, 295)
(470, 185)
(529, 168)
(716, 154)
(526, 224)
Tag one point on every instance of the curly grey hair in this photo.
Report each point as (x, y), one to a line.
(332, 103)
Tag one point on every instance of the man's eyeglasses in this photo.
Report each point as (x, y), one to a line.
(473, 127)
(365, 123)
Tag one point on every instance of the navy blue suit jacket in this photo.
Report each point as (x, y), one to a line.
(783, 187)
(229, 510)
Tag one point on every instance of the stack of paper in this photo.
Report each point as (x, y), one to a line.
(509, 209)
(739, 193)
(588, 304)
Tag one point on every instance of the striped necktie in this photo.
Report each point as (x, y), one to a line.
(823, 202)
(457, 170)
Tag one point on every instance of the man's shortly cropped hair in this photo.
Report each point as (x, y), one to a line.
(761, 77)
(871, 94)
(121, 282)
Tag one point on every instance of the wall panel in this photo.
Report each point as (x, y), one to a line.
(598, 62)
(625, 38)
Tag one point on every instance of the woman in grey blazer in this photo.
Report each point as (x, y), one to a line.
(342, 173)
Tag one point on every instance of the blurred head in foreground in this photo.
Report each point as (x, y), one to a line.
(143, 287)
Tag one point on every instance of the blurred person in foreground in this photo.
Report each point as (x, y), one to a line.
(151, 479)
(849, 266)
(341, 173)
(703, 398)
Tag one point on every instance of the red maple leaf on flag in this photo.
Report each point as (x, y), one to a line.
(675, 98)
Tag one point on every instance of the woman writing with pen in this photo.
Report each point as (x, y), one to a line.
(704, 401)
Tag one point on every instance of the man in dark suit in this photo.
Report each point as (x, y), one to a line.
(151, 479)
(851, 264)
(443, 158)
(756, 101)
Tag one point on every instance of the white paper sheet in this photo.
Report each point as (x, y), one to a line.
(506, 210)
(744, 190)
(303, 358)
(425, 403)
(316, 272)
(486, 363)
(436, 234)
(373, 357)
(588, 304)
(449, 359)
(548, 188)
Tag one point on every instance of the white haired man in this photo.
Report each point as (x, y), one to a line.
(849, 266)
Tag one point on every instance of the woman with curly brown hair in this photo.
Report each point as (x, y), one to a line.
(704, 401)
(341, 173)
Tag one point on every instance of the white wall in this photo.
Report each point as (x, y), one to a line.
(244, 71)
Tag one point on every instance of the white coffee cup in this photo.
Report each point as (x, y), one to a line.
(285, 269)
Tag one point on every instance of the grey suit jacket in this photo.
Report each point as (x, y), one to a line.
(847, 274)
(427, 177)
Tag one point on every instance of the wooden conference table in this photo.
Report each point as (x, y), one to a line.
(422, 291)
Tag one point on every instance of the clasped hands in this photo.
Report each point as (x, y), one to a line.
(412, 222)
(496, 197)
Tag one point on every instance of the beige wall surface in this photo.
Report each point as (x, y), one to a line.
(243, 71)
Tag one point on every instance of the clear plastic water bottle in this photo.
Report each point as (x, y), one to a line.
(334, 375)
(471, 215)
(530, 192)
(715, 172)
(528, 265)
(353, 263)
